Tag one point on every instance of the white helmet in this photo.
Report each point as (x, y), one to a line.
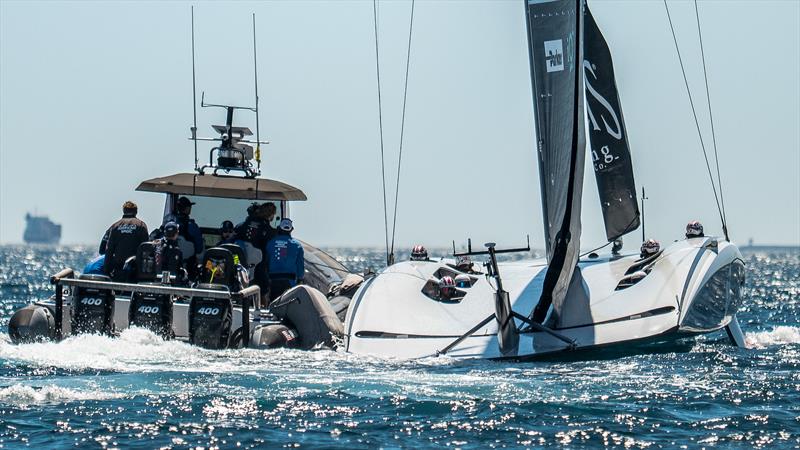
(694, 229)
(447, 287)
(419, 253)
(463, 263)
(650, 247)
(463, 281)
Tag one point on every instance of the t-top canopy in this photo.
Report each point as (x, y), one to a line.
(222, 186)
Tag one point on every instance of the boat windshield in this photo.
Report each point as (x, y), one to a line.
(209, 212)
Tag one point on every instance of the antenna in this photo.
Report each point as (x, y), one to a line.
(194, 97)
(644, 238)
(255, 81)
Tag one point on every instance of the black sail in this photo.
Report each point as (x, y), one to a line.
(607, 135)
(554, 43)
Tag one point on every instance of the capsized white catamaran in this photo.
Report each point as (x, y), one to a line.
(530, 309)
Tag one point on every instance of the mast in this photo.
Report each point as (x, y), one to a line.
(194, 98)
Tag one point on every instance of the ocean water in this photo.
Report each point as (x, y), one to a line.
(138, 391)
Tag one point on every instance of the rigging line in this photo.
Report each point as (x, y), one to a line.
(402, 129)
(380, 127)
(711, 117)
(694, 113)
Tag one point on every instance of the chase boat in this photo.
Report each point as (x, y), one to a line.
(221, 309)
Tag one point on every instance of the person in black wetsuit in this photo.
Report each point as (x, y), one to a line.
(122, 239)
(168, 255)
(188, 229)
(256, 230)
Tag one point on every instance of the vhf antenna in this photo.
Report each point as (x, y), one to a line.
(644, 237)
(194, 98)
(255, 81)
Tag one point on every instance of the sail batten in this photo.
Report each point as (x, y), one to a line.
(554, 43)
(608, 139)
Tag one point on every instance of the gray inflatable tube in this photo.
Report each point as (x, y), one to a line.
(307, 310)
(33, 323)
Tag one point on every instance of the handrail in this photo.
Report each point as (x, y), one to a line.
(66, 278)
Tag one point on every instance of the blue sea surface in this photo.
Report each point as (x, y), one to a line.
(138, 391)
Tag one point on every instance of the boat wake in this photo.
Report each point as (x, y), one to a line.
(23, 395)
(780, 335)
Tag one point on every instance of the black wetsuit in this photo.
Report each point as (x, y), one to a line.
(258, 232)
(124, 237)
(169, 257)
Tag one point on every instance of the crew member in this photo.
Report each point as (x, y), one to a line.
(694, 229)
(419, 253)
(649, 248)
(256, 228)
(95, 266)
(169, 256)
(447, 288)
(464, 264)
(188, 229)
(227, 233)
(124, 237)
(285, 261)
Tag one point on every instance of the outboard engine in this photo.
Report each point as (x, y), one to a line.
(210, 319)
(93, 308)
(152, 311)
(274, 335)
(146, 262)
(308, 311)
(32, 323)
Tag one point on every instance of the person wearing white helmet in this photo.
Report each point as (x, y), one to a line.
(694, 229)
(649, 248)
(447, 287)
(464, 263)
(463, 281)
(419, 253)
(285, 260)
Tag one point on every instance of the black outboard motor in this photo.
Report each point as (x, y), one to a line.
(152, 311)
(146, 267)
(32, 323)
(210, 319)
(93, 308)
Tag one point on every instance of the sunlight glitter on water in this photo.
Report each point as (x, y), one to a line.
(139, 390)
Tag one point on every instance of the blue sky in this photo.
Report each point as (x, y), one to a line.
(96, 96)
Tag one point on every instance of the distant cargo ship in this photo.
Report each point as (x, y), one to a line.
(41, 230)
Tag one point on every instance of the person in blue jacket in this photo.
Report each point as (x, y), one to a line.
(95, 266)
(285, 261)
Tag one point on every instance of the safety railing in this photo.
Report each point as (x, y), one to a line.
(67, 278)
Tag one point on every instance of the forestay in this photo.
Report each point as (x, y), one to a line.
(607, 135)
(554, 41)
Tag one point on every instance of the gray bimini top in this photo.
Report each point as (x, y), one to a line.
(222, 186)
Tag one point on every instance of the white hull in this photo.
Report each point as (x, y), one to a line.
(390, 316)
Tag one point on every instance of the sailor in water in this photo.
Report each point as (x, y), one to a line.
(122, 239)
(285, 260)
